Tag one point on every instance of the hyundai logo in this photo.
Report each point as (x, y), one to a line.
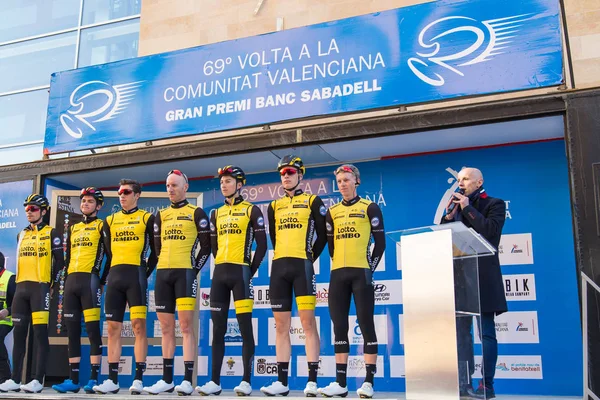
(380, 287)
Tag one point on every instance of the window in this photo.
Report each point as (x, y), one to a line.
(40, 37)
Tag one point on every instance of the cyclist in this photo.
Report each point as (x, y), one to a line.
(39, 259)
(129, 233)
(234, 226)
(294, 220)
(182, 242)
(8, 285)
(86, 248)
(350, 226)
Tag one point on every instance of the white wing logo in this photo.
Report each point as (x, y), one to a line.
(497, 31)
(96, 101)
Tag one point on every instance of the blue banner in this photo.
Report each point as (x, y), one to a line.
(539, 337)
(427, 52)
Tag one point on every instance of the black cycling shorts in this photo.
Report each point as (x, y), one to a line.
(176, 286)
(234, 278)
(32, 300)
(297, 274)
(127, 284)
(82, 293)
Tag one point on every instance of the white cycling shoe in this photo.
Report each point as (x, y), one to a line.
(108, 386)
(333, 389)
(208, 389)
(160, 387)
(311, 389)
(33, 387)
(137, 387)
(243, 389)
(10, 386)
(184, 389)
(275, 389)
(365, 391)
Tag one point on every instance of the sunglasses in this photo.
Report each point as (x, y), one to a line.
(222, 171)
(32, 208)
(344, 169)
(288, 171)
(178, 173)
(125, 192)
(88, 191)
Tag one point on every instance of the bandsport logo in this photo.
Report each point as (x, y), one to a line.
(491, 38)
(96, 101)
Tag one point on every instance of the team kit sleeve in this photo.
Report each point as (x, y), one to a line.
(101, 254)
(272, 227)
(152, 257)
(378, 233)
(58, 258)
(157, 234)
(329, 228)
(68, 252)
(319, 211)
(214, 243)
(258, 225)
(202, 224)
(107, 246)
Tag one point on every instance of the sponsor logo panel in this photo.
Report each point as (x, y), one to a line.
(326, 366)
(233, 336)
(397, 369)
(515, 327)
(520, 287)
(514, 367)
(124, 365)
(355, 334)
(516, 249)
(297, 336)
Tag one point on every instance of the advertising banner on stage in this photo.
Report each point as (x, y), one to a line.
(426, 52)
(12, 217)
(539, 338)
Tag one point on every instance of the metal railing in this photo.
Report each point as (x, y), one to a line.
(585, 281)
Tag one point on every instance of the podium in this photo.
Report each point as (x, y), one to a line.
(440, 286)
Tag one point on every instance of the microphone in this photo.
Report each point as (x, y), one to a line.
(453, 205)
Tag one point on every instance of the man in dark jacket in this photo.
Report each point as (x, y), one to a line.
(485, 215)
(7, 292)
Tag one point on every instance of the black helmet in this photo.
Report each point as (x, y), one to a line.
(92, 191)
(233, 171)
(37, 200)
(291, 161)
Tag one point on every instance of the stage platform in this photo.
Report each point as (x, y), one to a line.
(50, 394)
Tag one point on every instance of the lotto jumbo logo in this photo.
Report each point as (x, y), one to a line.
(94, 102)
(485, 41)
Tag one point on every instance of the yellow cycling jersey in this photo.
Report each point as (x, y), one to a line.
(85, 246)
(292, 226)
(234, 227)
(129, 235)
(178, 231)
(40, 254)
(350, 226)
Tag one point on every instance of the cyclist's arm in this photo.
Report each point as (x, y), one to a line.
(152, 258)
(10, 293)
(318, 214)
(272, 227)
(106, 239)
(201, 220)
(258, 224)
(329, 230)
(101, 252)
(58, 255)
(214, 243)
(68, 252)
(157, 234)
(378, 232)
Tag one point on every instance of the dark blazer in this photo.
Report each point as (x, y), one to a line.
(486, 216)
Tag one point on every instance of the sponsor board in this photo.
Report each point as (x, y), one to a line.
(205, 300)
(297, 335)
(125, 363)
(232, 366)
(126, 331)
(261, 297)
(520, 287)
(202, 366)
(515, 327)
(355, 334)
(401, 326)
(514, 367)
(397, 369)
(356, 367)
(267, 366)
(326, 366)
(516, 249)
(386, 292)
(233, 336)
